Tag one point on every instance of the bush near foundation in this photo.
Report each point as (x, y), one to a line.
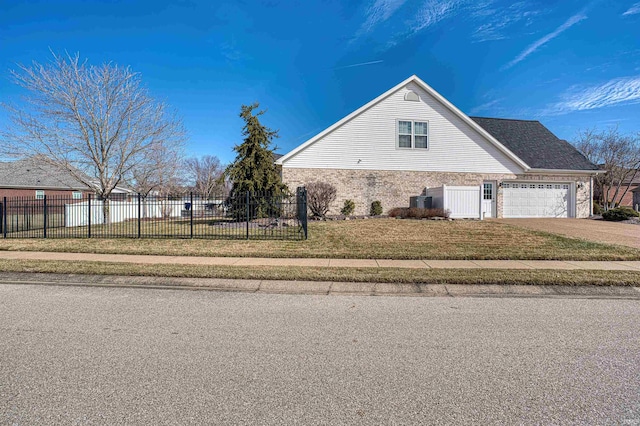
(320, 195)
(376, 208)
(418, 213)
(348, 208)
(620, 213)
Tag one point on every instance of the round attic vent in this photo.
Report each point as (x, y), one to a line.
(411, 96)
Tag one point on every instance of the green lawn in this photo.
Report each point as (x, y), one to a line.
(371, 238)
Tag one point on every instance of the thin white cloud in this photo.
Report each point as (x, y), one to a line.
(580, 16)
(497, 22)
(361, 64)
(432, 12)
(614, 92)
(486, 107)
(378, 12)
(633, 10)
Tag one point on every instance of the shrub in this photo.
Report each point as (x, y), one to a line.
(320, 195)
(620, 213)
(597, 209)
(417, 213)
(348, 208)
(376, 208)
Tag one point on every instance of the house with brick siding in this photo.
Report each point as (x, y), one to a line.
(32, 178)
(410, 141)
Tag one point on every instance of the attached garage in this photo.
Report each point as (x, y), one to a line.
(539, 199)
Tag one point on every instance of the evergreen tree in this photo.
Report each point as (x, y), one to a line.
(254, 170)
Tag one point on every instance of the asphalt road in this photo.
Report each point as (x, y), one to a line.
(74, 355)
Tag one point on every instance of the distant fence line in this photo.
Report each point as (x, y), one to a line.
(248, 215)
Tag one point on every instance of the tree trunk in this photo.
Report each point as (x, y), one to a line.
(105, 211)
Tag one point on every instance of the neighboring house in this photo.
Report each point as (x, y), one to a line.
(635, 198)
(30, 178)
(411, 141)
(627, 199)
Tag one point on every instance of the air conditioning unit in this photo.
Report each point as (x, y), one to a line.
(421, 201)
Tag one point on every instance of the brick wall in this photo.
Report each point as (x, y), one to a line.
(394, 188)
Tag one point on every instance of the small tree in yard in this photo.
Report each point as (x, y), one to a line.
(320, 195)
(254, 170)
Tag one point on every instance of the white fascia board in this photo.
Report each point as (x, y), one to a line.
(564, 172)
(432, 92)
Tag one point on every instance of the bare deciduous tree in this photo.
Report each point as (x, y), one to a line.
(616, 153)
(159, 172)
(96, 122)
(206, 175)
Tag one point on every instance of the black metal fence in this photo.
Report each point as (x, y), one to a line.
(244, 216)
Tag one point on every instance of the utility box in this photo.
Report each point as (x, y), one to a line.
(421, 201)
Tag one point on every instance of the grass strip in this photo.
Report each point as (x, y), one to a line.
(366, 239)
(379, 275)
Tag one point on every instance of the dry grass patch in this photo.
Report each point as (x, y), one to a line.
(365, 239)
(378, 275)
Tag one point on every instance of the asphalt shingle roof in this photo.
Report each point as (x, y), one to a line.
(535, 144)
(31, 173)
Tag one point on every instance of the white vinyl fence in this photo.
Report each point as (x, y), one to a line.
(77, 214)
(463, 202)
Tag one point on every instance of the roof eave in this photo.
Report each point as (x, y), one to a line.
(565, 171)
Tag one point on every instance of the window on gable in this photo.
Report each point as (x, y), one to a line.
(413, 134)
(404, 134)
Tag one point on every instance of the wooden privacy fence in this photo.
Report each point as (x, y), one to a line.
(247, 215)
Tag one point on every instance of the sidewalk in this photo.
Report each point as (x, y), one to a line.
(340, 263)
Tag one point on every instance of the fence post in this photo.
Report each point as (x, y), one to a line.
(44, 208)
(89, 217)
(4, 217)
(301, 201)
(247, 203)
(139, 216)
(191, 214)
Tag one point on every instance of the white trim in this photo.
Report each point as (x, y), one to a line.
(430, 91)
(40, 194)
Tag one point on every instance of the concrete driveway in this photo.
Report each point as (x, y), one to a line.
(599, 231)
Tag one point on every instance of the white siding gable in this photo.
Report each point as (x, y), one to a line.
(369, 141)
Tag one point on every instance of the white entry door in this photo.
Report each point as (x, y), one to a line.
(488, 199)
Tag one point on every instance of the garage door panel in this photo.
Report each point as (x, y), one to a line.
(536, 200)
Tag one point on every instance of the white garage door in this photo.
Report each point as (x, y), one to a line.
(524, 199)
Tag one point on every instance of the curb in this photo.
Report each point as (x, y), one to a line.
(325, 288)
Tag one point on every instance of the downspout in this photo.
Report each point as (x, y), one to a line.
(591, 196)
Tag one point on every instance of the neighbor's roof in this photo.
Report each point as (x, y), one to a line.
(34, 174)
(535, 144)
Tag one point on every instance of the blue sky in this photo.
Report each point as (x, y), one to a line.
(570, 64)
